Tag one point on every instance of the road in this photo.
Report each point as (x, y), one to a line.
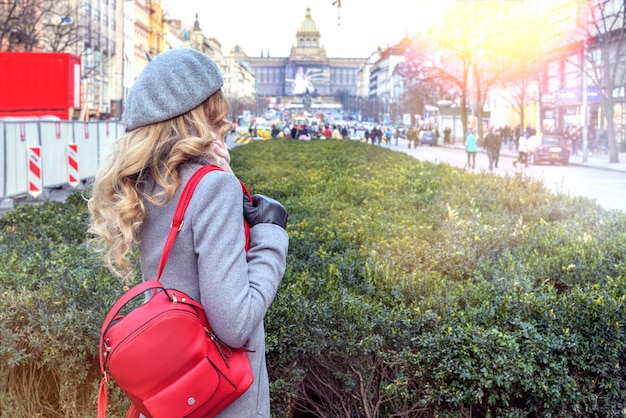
(607, 188)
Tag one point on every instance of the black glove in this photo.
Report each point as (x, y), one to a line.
(263, 209)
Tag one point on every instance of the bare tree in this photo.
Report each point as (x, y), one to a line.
(519, 96)
(61, 30)
(604, 60)
(422, 85)
(447, 62)
(522, 77)
(458, 53)
(38, 25)
(238, 105)
(8, 14)
(18, 25)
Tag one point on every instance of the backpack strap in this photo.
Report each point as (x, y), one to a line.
(185, 198)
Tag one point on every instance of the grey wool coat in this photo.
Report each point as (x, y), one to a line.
(208, 262)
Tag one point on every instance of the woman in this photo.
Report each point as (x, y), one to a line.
(176, 121)
(471, 146)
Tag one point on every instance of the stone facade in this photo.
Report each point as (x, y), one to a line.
(306, 71)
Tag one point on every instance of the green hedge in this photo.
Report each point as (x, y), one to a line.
(412, 289)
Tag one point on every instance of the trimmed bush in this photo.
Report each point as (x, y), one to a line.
(54, 299)
(412, 289)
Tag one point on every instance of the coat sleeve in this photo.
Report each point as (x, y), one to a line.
(236, 288)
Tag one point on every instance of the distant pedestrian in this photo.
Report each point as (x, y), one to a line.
(492, 146)
(498, 147)
(376, 135)
(335, 133)
(471, 146)
(522, 150)
(303, 133)
(411, 137)
(446, 135)
(344, 132)
(275, 131)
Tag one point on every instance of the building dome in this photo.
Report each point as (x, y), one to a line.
(308, 24)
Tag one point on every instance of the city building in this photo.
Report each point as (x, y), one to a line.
(141, 36)
(386, 87)
(113, 37)
(156, 39)
(307, 78)
(239, 78)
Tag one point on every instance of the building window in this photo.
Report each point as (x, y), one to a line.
(314, 42)
(571, 76)
(301, 42)
(308, 42)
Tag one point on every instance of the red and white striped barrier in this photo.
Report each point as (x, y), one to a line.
(73, 177)
(34, 171)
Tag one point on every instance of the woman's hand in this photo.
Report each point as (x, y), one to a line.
(220, 155)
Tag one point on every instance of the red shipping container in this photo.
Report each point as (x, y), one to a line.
(39, 84)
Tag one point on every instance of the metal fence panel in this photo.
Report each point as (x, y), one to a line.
(95, 141)
(55, 137)
(19, 136)
(86, 136)
(108, 134)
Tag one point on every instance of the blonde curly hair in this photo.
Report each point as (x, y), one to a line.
(153, 153)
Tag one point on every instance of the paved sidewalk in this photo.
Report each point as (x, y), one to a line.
(599, 161)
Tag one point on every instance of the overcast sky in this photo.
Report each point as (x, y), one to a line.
(354, 30)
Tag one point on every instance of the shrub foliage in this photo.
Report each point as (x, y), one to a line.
(412, 289)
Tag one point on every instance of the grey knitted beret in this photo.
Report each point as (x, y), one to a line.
(173, 83)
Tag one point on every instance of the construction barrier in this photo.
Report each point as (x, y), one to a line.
(34, 171)
(38, 155)
(73, 174)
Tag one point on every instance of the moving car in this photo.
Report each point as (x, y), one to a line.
(548, 148)
(427, 137)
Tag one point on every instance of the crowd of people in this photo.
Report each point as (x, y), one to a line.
(376, 134)
(492, 140)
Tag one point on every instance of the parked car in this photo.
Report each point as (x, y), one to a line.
(548, 148)
(427, 137)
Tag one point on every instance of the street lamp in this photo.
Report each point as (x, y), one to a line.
(126, 59)
(585, 107)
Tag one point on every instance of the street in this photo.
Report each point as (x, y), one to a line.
(607, 188)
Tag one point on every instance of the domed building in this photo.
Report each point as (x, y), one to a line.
(306, 73)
